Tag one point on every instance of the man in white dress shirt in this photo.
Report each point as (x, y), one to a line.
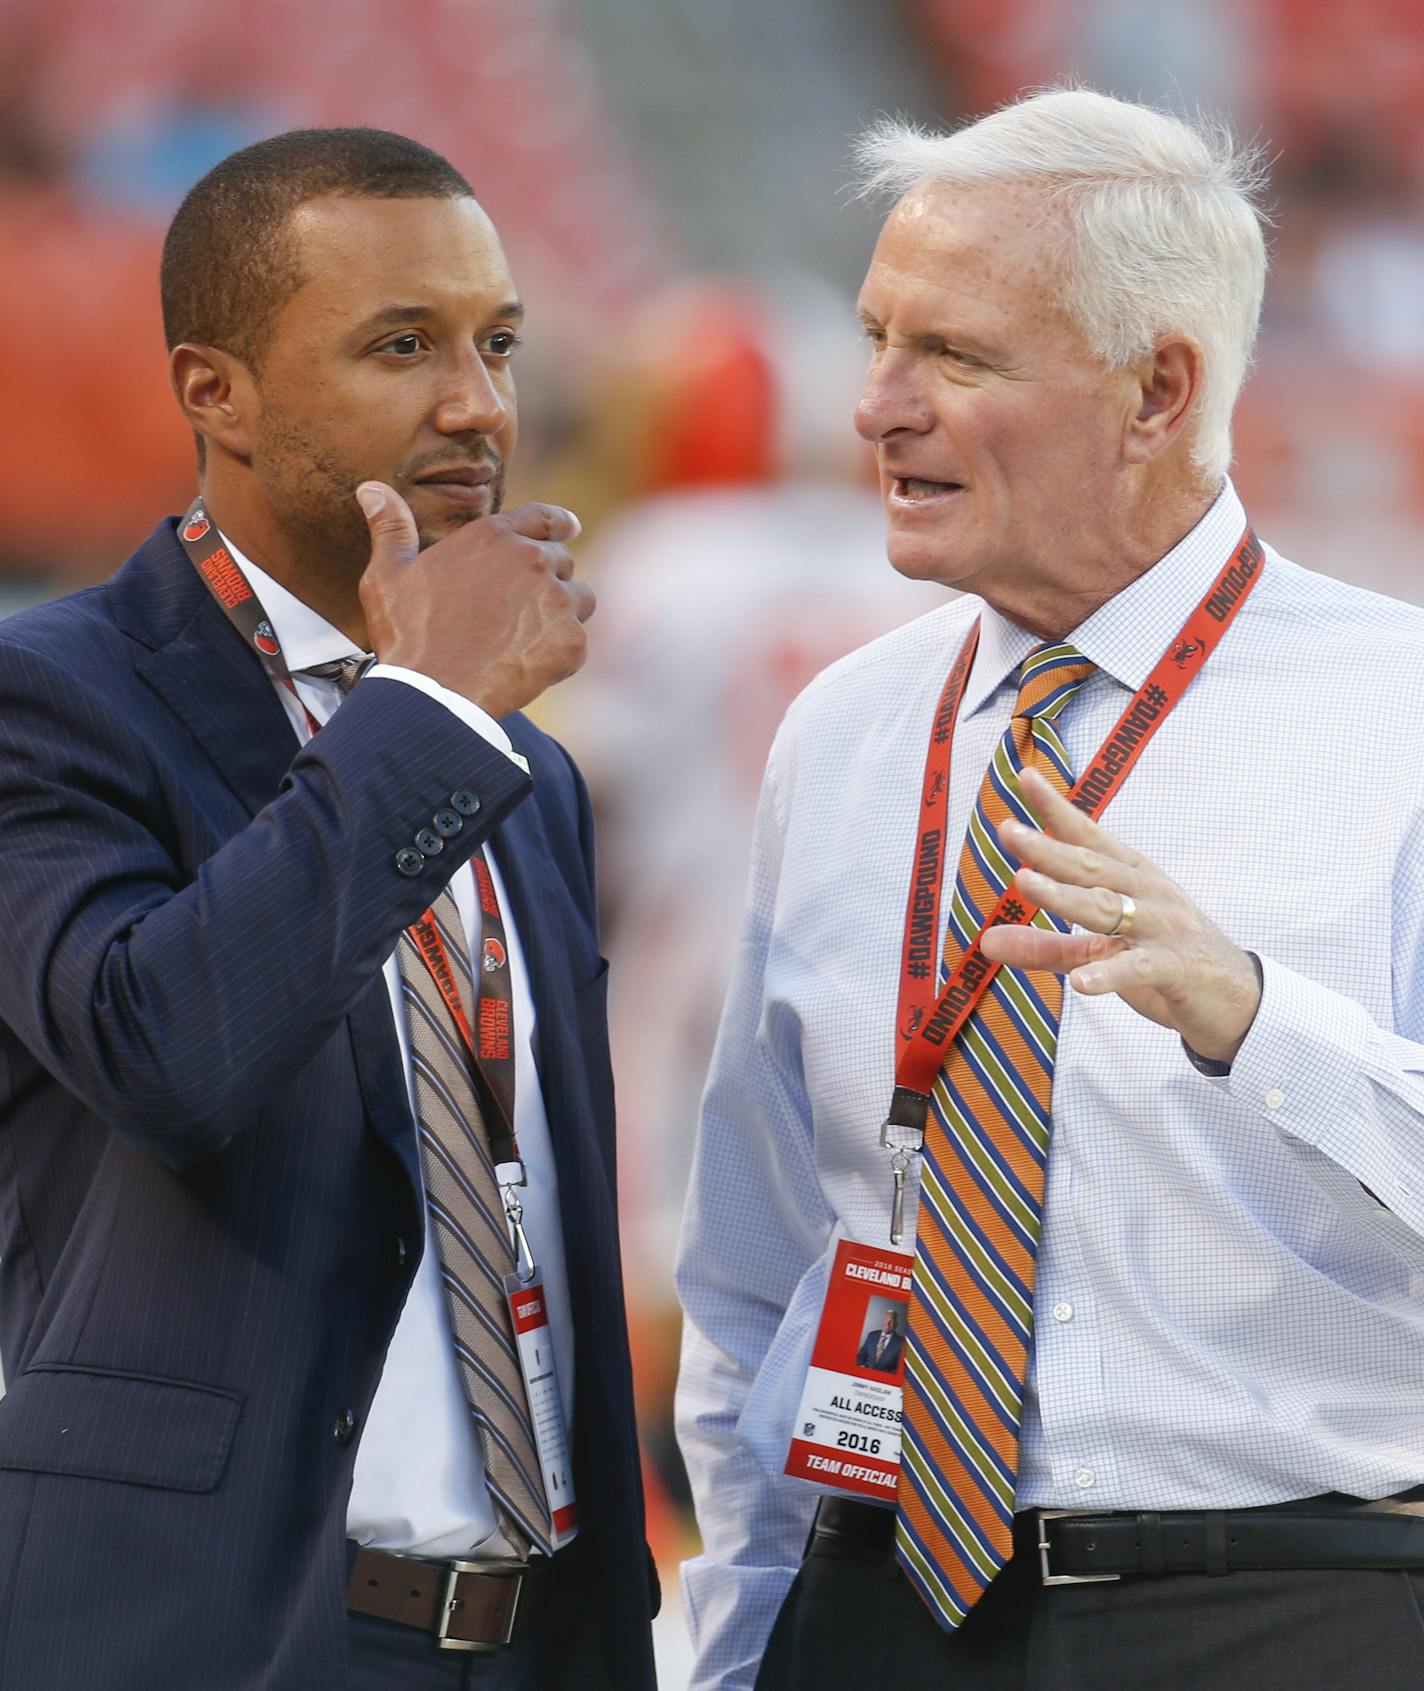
(1197, 1469)
(303, 1057)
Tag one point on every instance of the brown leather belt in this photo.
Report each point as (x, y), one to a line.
(462, 1605)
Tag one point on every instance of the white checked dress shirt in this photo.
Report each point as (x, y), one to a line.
(419, 1482)
(1230, 1297)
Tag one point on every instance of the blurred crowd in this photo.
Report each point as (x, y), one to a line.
(691, 363)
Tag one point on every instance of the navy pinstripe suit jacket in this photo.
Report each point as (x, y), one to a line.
(207, 1158)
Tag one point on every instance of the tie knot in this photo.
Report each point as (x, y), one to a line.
(1048, 678)
(345, 672)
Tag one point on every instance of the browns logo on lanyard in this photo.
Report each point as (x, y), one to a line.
(490, 1042)
(925, 1025)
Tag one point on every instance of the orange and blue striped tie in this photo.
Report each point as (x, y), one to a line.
(981, 1201)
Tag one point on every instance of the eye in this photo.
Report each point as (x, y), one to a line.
(404, 346)
(503, 344)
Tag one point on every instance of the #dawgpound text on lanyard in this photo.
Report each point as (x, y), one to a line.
(927, 1022)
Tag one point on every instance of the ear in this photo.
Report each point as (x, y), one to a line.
(1167, 384)
(217, 395)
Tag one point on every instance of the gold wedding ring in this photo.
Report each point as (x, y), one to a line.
(1125, 918)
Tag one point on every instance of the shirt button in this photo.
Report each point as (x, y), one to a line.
(409, 861)
(1063, 1312)
(447, 823)
(345, 1429)
(1084, 1479)
(1275, 1098)
(463, 800)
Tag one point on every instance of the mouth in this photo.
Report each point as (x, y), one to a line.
(465, 487)
(908, 492)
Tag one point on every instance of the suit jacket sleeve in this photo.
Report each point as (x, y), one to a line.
(172, 998)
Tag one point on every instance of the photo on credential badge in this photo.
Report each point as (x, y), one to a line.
(882, 1339)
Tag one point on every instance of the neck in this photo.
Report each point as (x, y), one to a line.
(324, 585)
(1090, 568)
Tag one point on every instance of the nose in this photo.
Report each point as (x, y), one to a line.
(472, 402)
(892, 398)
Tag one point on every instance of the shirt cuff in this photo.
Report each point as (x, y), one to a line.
(469, 713)
(1209, 1066)
(1301, 1058)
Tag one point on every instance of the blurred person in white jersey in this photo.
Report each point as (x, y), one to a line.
(750, 561)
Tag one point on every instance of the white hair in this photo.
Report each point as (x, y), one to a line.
(1164, 230)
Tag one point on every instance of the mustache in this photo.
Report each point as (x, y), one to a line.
(456, 458)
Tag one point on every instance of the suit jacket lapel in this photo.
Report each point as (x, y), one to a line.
(200, 667)
(380, 1076)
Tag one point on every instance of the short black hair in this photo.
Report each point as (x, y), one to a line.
(229, 262)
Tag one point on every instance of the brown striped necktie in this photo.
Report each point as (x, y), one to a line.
(472, 1236)
(467, 1212)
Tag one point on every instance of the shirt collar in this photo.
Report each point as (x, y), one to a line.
(1126, 636)
(305, 637)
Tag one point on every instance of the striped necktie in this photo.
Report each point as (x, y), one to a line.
(472, 1237)
(981, 1201)
(467, 1215)
(345, 672)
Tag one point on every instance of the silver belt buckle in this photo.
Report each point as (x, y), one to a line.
(503, 1570)
(1045, 1573)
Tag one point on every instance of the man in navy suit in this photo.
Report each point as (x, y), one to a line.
(240, 1445)
(882, 1349)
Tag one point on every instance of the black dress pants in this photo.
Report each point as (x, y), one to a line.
(851, 1621)
(387, 1657)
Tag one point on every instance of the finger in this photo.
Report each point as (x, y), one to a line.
(1118, 970)
(394, 537)
(1080, 865)
(1065, 821)
(1095, 907)
(543, 522)
(582, 600)
(1038, 948)
(560, 558)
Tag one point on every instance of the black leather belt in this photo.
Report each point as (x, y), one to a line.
(1073, 1547)
(462, 1605)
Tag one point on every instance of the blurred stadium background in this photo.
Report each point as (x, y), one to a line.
(667, 176)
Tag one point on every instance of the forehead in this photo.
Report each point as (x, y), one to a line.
(356, 254)
(991, 254)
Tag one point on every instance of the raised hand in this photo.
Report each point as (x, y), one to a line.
(1141, 937)
(492, 611)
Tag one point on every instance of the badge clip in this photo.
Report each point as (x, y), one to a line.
(524, 1263)
(903, 1133)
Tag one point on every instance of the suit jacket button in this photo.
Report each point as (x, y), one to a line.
(447, 823)
(400, 1255)
(409, 861)
(345, 1429)
(429, 842)
(463, 800)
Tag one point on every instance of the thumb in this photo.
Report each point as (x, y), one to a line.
(393, 531)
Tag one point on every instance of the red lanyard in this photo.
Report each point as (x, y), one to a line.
(491, 1044)
(492, 1053)
(926, 1024)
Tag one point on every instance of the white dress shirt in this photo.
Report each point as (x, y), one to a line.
(419, 1483)
(1230, 1294)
